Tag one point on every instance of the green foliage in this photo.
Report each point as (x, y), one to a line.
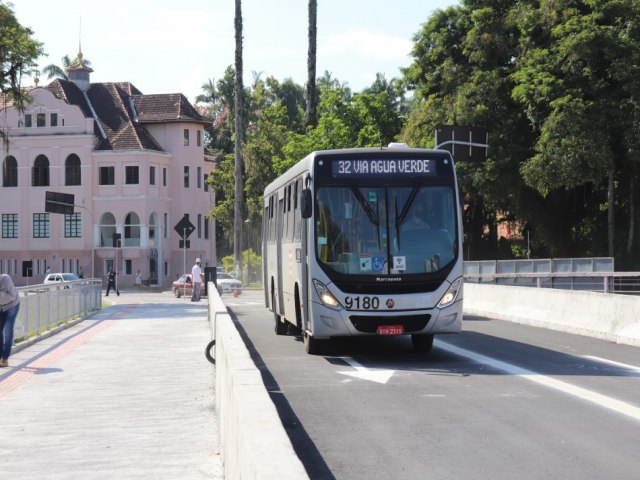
(19, 52)
(55, 71)
(556, 82)
(249, 257)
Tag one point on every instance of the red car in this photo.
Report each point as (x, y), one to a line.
(184, 286)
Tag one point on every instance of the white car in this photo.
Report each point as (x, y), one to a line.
(60, 278)
(227, 284)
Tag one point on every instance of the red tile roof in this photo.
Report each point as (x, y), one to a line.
(122, 110)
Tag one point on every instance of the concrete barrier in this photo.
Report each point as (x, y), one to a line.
(254, 442)
(611, 317)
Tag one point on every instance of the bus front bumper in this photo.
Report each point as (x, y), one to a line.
(343, 323)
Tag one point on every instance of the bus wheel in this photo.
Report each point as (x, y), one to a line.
(312, 346)
(422, 343)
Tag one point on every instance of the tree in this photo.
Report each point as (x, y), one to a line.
(55, 71)
(19, 52)
(238, 205)
(580, 86)
(463, 58)
(312, 114)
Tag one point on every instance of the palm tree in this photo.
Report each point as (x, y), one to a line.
(210, 94)
(312, 115)
(54, 71)
(238, 203)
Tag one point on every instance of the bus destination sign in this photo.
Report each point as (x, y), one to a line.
(396, 167)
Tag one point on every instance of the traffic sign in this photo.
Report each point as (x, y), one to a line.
(184, 227)
(466, 143)
(55, 202)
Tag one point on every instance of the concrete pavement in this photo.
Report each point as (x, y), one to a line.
(127, 393)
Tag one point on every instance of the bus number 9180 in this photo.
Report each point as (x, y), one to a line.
(362, 303)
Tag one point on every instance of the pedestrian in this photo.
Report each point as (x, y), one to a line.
(138, 279)
(111, 282)
(9, 306)
(81, 272)
(196, 279)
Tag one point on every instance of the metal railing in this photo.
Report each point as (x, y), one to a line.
(588, 274)
(45, 307)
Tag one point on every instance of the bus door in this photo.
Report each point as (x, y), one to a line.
(304, 255)
(266, 226)
(304, 272)
(279, 266)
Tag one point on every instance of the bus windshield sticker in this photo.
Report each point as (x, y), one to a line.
(378, 264)
(365, 261)
(399, 262)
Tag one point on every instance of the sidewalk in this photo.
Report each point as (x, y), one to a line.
(127, 393)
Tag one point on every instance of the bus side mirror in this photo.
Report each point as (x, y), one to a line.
(305, 203)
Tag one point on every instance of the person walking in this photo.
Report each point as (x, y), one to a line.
(9, 306)
(138, 279)
(111, 282)
(196, 278)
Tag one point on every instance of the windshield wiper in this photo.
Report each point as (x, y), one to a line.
(373, 217)
(405, 210)
(365, 205)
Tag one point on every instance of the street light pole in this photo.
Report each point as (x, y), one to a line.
(93, 273)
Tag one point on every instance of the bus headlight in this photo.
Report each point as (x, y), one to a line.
(451, 295)
(326, 297)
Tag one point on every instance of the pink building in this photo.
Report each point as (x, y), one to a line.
(136, 166)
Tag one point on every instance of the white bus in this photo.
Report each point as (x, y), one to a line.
(364, 241)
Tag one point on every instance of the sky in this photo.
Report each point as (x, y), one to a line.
(168, 46)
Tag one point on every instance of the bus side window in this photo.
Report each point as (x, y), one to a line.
(297, 220)
(306, 203)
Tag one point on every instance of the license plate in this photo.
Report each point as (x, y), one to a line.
(390, 330)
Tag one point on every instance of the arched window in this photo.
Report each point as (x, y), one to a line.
(72, 174)
(107, 229)
(40, 172)
(10, 172)
(132, 230)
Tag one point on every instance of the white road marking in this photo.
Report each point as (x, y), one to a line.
(582, 393)
(633, 368)
(378, 375)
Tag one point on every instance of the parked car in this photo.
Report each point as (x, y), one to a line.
(184, 286)
(227, 284)
(60, 278)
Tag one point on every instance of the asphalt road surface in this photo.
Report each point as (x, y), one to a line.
(499, 401)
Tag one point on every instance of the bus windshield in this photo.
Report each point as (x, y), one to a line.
(385, 230)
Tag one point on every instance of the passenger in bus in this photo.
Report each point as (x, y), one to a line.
(417, 221)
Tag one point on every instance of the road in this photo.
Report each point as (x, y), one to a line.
(498, 401)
